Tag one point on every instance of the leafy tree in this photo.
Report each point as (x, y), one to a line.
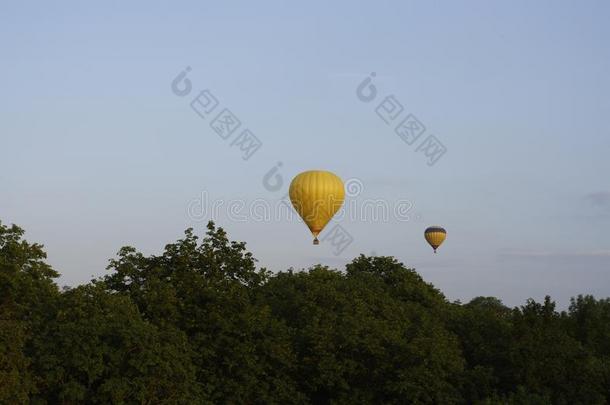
(15, 378)
(28, 297)
(199, 323)
(363, 336)
(241, 352)
(548, 361)
(484, 327)
(27, 289)
(588, 321)
(98, 349)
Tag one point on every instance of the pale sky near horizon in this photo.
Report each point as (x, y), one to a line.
(98, 152)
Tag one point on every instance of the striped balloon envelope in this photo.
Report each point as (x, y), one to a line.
(435, 236)
(316, 195)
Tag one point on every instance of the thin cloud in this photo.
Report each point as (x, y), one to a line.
(599, 199)
(532, 254)
(388, 182)
(358, 75)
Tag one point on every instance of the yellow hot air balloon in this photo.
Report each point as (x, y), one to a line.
(316, 195)
(435, 235)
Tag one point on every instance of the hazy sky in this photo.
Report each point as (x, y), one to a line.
(98, 152)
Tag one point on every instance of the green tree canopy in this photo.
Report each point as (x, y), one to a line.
(200, 323)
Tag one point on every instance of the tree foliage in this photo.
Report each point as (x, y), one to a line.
(200, 323)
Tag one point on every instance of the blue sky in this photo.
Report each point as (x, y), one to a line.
(98, 152)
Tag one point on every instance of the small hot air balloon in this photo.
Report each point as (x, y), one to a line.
(316, 195)
(435, 235)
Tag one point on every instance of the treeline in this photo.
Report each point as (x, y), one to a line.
(201, 324)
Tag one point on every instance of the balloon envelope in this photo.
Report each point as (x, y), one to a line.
(316, 195)
(435, 236)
